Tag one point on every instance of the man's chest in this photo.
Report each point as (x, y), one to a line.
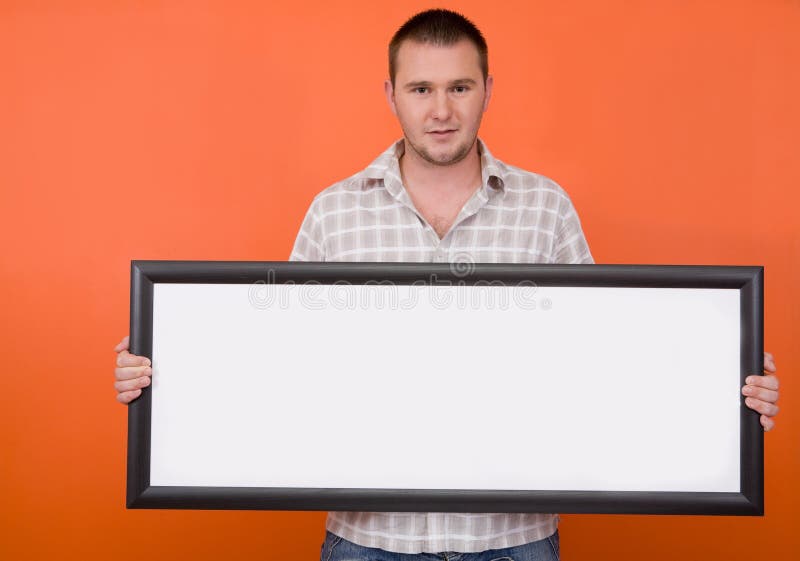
(384, 229)
(439, 215)
(441, 209)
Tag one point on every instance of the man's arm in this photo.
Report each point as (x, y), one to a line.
(309, 246)
(570, 246)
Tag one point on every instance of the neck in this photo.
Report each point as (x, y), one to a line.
(418, 173)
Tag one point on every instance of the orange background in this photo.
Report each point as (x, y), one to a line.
(201, 130)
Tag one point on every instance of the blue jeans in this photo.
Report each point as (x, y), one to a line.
(339, 549)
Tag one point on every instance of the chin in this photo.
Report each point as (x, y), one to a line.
(453, 156)
(440, 155)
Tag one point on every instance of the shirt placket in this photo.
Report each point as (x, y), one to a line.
(395, 187)
(441, 247)
(442, 253)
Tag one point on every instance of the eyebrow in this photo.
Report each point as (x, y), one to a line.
(428, 84)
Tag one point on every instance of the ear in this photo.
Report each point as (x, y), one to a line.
(388, 89)
(488, 94)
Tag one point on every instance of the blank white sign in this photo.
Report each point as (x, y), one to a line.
(458, 387)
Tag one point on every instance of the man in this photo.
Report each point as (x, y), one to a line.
(438, 195)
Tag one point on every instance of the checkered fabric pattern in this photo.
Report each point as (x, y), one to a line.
(514, 216)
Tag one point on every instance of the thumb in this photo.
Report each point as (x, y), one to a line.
(122, 345)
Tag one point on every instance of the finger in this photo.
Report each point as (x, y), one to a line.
(124, 358)
(769, 365)
(767, 381)
(129, 385)
(767, 422)
(132, 372)
(122, 345)
(763, 394)
(127, 397)
(763, 407)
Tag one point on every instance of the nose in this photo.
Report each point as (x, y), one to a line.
(441, 107)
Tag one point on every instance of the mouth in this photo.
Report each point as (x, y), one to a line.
(443, 133)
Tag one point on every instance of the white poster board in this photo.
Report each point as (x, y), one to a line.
(483, 387)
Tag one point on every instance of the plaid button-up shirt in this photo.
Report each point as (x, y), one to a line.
(515, 216)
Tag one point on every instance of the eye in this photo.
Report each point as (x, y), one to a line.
(421, 90)
(460, 89)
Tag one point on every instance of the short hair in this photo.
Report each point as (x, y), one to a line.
(441, 28)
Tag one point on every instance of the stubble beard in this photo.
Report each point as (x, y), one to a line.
(461, 151)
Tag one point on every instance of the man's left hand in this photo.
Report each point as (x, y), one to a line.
(761, 393)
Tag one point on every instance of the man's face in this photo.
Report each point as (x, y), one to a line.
(439, 97)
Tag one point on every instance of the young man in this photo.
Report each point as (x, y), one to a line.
(438, 195)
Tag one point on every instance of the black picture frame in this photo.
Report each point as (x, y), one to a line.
(747, 280)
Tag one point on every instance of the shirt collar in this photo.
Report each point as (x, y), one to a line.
(386, 167)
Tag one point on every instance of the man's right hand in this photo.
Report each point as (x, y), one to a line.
(132, 373)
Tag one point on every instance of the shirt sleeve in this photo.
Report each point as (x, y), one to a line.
(309, 246)
(571, 247)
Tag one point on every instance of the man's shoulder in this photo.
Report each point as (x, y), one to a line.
(346, 190)
(360, 183)
(353, 184)
(529, 185)
(517, 180)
